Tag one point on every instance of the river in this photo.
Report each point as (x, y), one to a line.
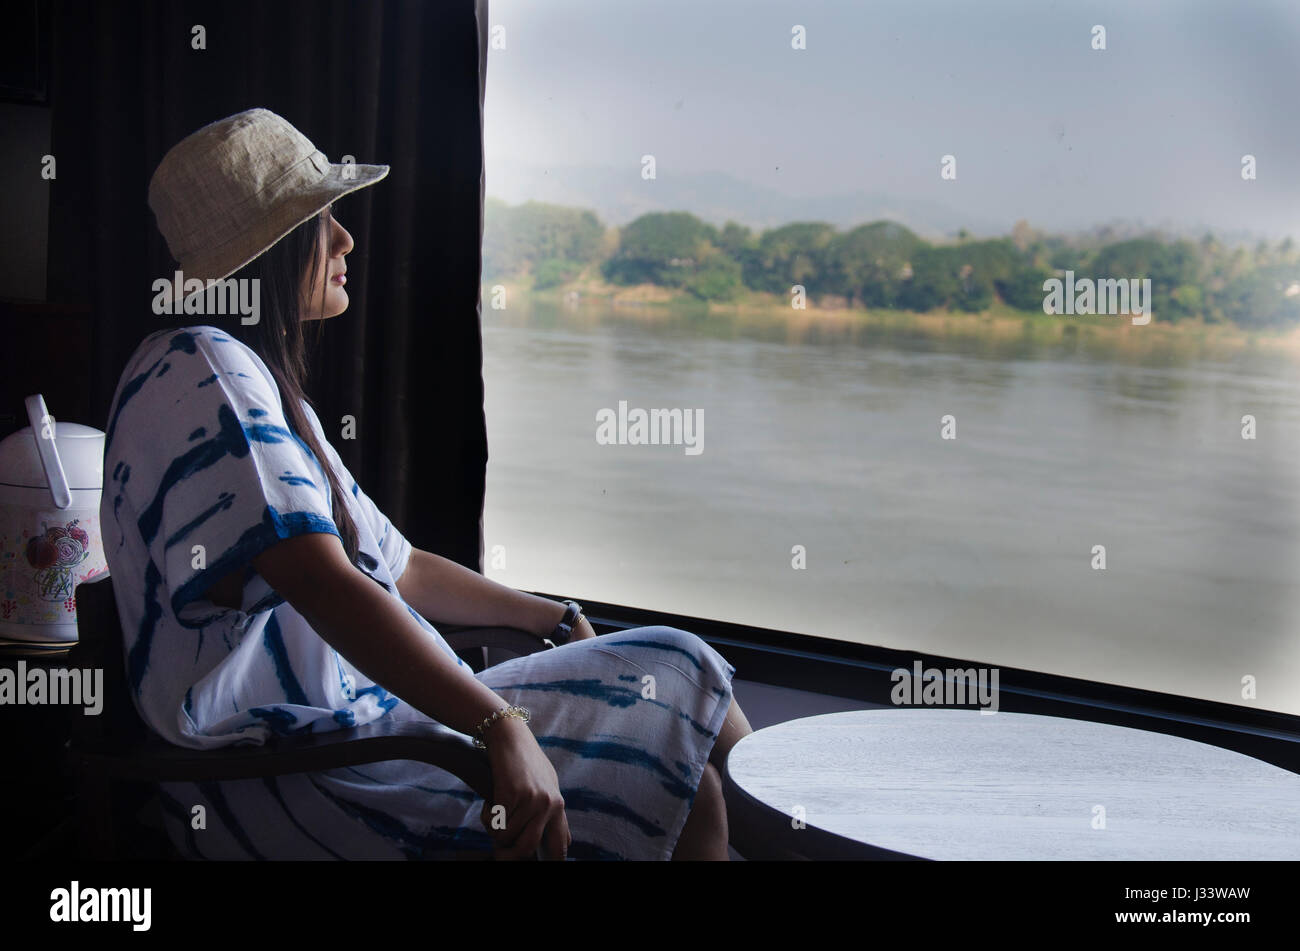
(828, 436)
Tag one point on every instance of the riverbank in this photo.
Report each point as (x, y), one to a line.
(998, 323)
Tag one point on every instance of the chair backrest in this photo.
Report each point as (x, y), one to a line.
(100, 646)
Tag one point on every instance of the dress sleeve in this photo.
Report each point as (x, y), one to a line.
(218, 474)
(392, 543)
(397, 550)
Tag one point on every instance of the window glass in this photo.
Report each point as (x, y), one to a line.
(974, 327)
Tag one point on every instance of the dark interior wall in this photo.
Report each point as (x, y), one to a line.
(398, 83)
(25, 198)
(27, 324)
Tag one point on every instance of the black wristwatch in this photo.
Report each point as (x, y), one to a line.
(564, 630)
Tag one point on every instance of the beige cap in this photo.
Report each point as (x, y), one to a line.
(230, 191)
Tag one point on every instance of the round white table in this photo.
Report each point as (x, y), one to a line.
(958, 784)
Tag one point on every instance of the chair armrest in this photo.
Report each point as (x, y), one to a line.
(512, 639)
(384, 739)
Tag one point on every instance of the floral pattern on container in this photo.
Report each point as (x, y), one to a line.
(53, 555)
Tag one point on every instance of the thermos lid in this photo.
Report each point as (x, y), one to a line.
(80, 447)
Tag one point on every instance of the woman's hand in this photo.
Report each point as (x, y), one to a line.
(525, 784)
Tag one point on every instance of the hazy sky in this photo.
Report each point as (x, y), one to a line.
(1152, 129)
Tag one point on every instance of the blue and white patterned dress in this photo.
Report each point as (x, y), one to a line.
(199, 453)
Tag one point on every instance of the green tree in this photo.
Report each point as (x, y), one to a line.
(553, 272)
(716, 278)
(934, 282)
(1264, 298)
(1024, 289)
(794, 254)
(1168, 266)
(660, 248)
(518, 238)
(867, 264)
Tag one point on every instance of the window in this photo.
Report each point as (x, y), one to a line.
(825, 242)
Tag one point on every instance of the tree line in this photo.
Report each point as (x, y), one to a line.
(885, 265)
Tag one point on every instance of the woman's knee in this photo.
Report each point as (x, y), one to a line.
(668, 636)
(689, 652)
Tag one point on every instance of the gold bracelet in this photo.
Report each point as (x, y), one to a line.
(518, 712)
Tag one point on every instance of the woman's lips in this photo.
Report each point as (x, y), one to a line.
(339, 279)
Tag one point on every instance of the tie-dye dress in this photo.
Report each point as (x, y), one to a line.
(203, 472)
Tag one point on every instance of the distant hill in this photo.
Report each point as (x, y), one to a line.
(618, 196)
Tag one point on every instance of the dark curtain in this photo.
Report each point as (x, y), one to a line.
(399, 83)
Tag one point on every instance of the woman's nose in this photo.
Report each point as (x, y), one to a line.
(342, 240)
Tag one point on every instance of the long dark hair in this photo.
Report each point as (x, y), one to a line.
(278, 338)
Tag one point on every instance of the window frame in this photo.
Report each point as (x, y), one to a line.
(857, 671)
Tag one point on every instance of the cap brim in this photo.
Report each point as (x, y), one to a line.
(341, 179)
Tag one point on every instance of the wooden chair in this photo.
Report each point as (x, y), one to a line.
(115, 748)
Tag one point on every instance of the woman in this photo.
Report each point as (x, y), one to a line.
(261, 592)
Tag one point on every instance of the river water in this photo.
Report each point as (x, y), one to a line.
(828, 436)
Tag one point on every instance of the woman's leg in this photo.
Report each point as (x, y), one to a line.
(734, 728)
(704, 836)
(619, 661)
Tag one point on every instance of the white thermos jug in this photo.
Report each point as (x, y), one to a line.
(51, 478)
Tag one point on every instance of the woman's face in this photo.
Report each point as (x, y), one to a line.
(327, 299)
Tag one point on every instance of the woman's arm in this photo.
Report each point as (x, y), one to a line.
(449, 593)
(376, 633)
(373, 630)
